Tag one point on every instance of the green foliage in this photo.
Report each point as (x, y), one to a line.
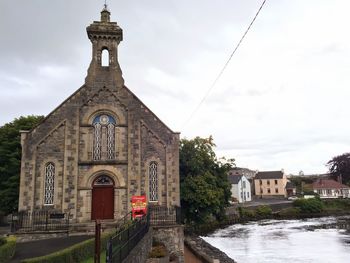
(76, 253)
(337, 205)
(7, 249)
(92, 259)
(245, 213)
(312, 205)
(303, 184)
(205, 190)
(339, 166)
(10, 160)
(263, 211)
(289, 212)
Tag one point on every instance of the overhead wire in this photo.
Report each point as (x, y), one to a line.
(223, 68)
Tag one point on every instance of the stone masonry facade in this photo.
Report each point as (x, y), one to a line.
(66, 138)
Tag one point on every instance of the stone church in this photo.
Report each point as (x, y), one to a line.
(101, 146)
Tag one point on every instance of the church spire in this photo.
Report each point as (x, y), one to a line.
(105, 14)
(105, 37)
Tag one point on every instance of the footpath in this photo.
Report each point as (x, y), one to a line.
(43, 247)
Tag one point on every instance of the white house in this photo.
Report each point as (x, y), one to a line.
(328, 188)
(240, 188)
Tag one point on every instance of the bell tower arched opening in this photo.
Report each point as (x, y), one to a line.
(105, 58)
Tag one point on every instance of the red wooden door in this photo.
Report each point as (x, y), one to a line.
(102, 202)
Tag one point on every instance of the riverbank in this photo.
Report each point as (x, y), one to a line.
(302, 209)
(202, 251)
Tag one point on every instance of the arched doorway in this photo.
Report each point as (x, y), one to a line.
(102, 198)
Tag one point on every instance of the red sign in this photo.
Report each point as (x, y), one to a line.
(139, 206)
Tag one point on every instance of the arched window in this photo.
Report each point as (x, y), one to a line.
(105, 58)
(49, 183)
(104, 137)
(102, 181)
(153, 181)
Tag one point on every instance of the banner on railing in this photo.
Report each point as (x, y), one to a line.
(138, 206)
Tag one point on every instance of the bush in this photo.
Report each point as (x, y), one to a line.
(7, 249)
(312, 205)
(337, 204)
(263, 211)
(246, 213)
(75, 253)
(289, 212)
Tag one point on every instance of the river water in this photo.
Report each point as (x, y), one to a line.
(320, 240)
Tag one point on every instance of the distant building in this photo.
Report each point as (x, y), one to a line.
(291, 189)
(270, 184)
(328, 188)
(240, 188)
(249, 174)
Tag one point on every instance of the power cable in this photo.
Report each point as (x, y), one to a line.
(224, 67)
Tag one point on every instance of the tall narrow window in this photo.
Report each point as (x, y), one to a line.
(153, 181)
(105, 58)
(49, 183)
(104, 137)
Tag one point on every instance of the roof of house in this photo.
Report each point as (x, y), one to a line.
(269, 175)
(328, 184)
(234, 179)
(290, 185)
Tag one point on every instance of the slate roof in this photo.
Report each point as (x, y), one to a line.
(290, 185)
(269, 175)
(234, 179)
(328, 184)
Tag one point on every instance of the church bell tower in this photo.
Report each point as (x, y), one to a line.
(105, 37)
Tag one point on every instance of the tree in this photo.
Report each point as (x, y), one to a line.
(205, 190)
(10, 160)
(339, 167)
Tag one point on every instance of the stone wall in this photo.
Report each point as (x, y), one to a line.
(206, 252)
(140, 253)
(173, 239)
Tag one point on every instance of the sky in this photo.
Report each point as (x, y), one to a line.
(282, 102)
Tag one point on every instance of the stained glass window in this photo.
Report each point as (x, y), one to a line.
(49, 183)
(153, 181)
(103, 180)
(104, 137)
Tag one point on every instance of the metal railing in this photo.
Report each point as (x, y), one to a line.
(39, 221)
(162, 215)
(126, 238)
(129, 232)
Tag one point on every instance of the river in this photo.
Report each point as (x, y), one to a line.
(321, 240)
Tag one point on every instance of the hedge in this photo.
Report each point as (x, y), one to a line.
(263, 211)
(7, 249)
(312, 205)
(76, 253)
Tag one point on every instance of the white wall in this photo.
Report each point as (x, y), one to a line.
(242, 190)
(333, 193)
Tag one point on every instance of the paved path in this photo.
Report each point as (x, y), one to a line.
(43, 247)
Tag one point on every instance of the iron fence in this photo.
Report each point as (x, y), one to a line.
(126, 238)
(162, 215)
(43, 221)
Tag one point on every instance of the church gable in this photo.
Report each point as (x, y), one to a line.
(101, 146)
